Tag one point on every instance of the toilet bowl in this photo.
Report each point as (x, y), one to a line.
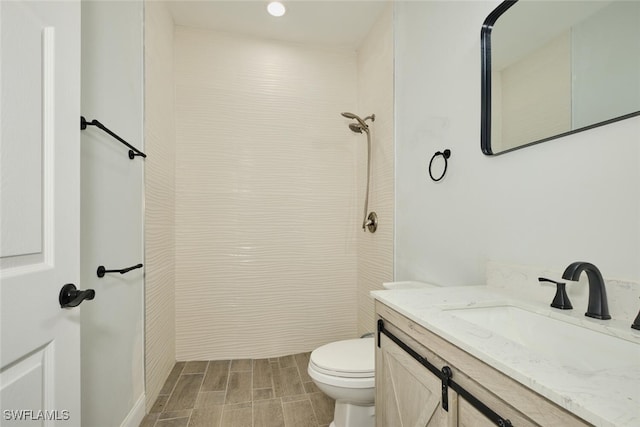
(345, 371)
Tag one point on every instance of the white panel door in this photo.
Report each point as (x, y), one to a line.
(39, 212)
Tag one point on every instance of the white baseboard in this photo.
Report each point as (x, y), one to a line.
(137, 413)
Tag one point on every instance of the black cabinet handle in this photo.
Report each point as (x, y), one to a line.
(70, 296)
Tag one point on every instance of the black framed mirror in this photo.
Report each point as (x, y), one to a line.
(554, 68)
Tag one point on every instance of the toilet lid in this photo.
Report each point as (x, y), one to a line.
(349, 358)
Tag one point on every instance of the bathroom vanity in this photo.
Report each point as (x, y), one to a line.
(456, 348)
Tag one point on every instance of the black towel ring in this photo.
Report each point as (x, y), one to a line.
(445, 155)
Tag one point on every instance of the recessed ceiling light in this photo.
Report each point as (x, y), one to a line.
(276, 8)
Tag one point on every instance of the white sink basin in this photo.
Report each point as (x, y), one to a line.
(552, 338)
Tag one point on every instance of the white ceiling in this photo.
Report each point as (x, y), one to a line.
(326, 23)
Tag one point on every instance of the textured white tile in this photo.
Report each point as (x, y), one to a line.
(375, 95)
(266, 209)
(159, 199)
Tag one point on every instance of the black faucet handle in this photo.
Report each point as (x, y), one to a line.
(636, 323)
(561, 300)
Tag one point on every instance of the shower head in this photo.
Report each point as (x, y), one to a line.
(356, 127)
(354, 117)
(349, 115)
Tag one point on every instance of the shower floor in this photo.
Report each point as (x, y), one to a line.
(274, 392)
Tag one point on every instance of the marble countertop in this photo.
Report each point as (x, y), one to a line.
(607, 397)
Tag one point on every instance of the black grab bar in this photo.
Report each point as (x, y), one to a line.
(133, 151)
(102, 270)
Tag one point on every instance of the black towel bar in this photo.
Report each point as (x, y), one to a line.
(133, 151)
(102, 271)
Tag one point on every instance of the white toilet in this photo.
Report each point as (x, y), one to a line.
(344, 371)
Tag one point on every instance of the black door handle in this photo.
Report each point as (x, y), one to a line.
(70, 296)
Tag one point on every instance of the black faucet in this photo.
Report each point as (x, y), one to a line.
(597, 307)
(636, 323)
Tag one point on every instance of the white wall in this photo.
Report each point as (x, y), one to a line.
(112, 345)
(375, 96)
(160, 328)
(575, 198)
(266, 209)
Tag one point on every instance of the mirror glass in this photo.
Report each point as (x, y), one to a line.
(552, 68)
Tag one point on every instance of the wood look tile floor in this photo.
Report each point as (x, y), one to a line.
(241, 393)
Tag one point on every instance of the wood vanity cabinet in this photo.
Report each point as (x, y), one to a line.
(408, 394)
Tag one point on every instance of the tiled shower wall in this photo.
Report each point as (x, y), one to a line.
(375, 95)
(267, 211)
(159, 199)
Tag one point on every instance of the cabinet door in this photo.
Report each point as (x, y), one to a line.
(468, 416)
(407, 394)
